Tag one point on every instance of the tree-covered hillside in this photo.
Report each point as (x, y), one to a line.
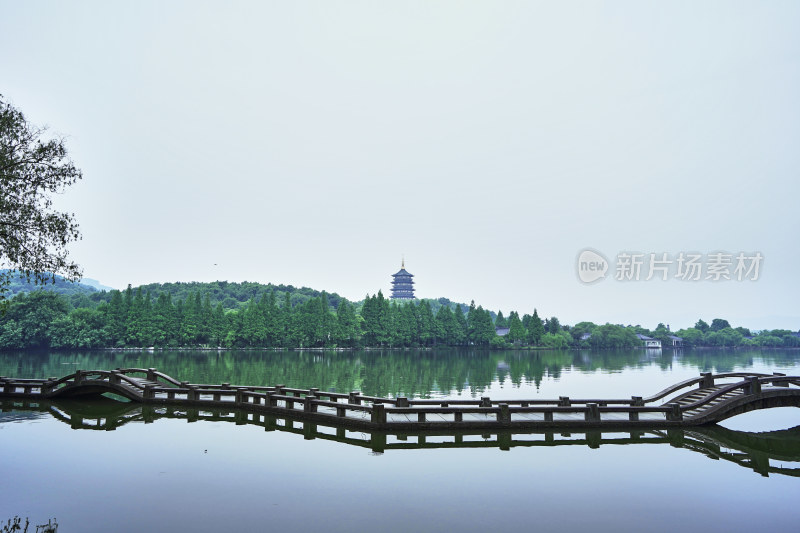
(240, 315)
(230, 294)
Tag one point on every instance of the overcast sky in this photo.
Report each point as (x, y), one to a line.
(315, 143)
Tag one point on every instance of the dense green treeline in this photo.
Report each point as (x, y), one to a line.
(297, 319)
(135, 318)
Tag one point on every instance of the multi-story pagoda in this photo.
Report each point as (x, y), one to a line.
(402, 283)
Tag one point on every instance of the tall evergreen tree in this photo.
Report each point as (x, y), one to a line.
(385, 325)
(162, 310)
(500, 321)
(536, 329)
(147, 334)
(286, 313)
(190, 324)
(484, 328)
(206, 318)
(516, 330)
(346, 325)
(117, 319)
(133, 327)
(460, 331)
(472, 323)
(427, 324)
(445, 325)
(218, 325)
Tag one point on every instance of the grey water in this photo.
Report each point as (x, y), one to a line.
(142, 470)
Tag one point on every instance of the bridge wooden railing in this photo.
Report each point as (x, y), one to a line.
(706, 379)
(156, 387)
(752, 385)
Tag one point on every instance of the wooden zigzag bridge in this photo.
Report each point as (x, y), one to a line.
(703, 400)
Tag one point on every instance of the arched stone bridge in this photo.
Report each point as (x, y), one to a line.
(704, 400)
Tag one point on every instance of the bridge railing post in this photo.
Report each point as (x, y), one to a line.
(674, 412)
(151, 374)
(592, 412)
(707, 381)
(147, 392)
(378, 413)
(563, 401)
(401, 401)
(753, 386)
(355, 398)
(47, 387)
(486, 401)
(309, 406)
(504, 415)
(78, 376)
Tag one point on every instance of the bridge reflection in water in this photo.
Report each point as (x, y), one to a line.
(776, 452)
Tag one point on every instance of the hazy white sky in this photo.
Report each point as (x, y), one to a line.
(314, 143)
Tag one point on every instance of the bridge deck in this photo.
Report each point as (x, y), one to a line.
(698, 401)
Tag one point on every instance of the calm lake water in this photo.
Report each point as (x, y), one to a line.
(142, 470)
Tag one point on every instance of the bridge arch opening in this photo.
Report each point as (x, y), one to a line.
(762, 420)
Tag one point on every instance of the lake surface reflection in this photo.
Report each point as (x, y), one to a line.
(110, 467)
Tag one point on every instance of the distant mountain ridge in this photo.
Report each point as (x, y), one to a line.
(96, 284)
(60, 286)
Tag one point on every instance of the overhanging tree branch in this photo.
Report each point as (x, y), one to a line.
(33, 236)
